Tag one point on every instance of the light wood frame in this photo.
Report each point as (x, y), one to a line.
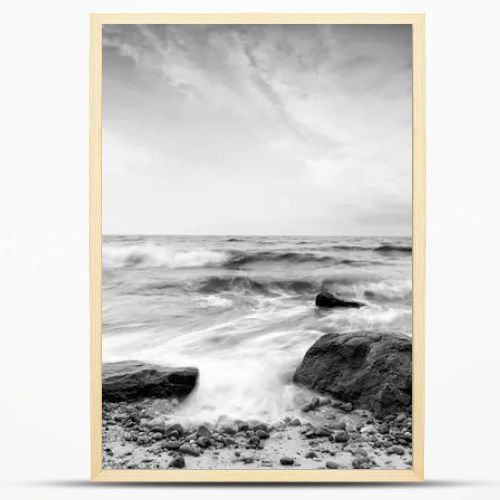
(411, 475)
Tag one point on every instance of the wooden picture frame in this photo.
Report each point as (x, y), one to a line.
(417, 472)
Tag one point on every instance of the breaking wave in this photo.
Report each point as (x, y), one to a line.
(150, 255)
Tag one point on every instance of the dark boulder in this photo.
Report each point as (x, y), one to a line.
(327, 299)
(370, 370)
(132, 380)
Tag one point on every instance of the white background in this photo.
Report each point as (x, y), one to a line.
(44, 437)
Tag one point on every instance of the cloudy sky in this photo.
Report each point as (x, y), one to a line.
(301, 129)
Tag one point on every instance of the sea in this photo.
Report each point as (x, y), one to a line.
(241, 308)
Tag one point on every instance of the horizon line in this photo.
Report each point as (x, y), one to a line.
(265, 235)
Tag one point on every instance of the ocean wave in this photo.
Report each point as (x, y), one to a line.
(394, 248)
(244, 284)
(239, 259)
(150, 255)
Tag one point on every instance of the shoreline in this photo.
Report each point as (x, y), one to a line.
(147, 435)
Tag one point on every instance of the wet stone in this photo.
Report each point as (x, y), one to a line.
(332, 465)
(261, 434)
(178, 462)
(341, 437)
(172, 445)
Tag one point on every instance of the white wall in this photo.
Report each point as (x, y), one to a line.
(44, 431)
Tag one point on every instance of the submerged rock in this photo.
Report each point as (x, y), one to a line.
(327, 299)
(372, 371)
(131, 380)
(287, 461)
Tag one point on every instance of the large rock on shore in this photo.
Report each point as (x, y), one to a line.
(370, 370)
(327, 299)
(131, 380)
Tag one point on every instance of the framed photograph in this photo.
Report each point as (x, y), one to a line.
(257, 247)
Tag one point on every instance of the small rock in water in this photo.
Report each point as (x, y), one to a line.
(178, 462)
(327, 299)
(287, 461)
(295, 422)
(332, 465)
(342, 437)
(311, 454)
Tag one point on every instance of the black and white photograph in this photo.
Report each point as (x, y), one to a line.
(257, 246)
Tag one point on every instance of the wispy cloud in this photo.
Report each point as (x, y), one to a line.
(278, 114)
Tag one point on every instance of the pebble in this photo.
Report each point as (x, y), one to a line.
(262, 434)
(322, 432)
(256, 425)
(204, 431)
(203, 441)
(360, 463)
(175, 428)
(143, 439)
(314, 403)
(383, 429)
(189, 450)
(172, 445)
(178, 462)
(311, 454)
(247, 458)
(332, 465)
(397, 450)
(228, 428)
(287, 461)
(295, 422)
(341, 437)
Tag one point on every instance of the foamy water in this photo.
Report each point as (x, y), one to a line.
(241, 309)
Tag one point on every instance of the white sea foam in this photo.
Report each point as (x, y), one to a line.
(152, 255)
(244, 317)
